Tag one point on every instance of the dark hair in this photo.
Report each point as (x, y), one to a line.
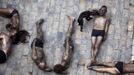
(59, 68)
(8, 26)
(20, 36)
(104, 6)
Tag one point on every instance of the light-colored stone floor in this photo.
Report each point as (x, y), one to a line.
(118, 45)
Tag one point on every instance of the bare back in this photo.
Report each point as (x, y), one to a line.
(6, 42)
(100, 23)
(129, 68)
(38, 51)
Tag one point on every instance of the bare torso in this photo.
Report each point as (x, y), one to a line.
(68, 51)
(40, 54)
(15, 19)
(5, 41)
(129, 68)
(100, 23)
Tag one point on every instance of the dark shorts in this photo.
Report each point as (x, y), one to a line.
(119, 66)
(12, 14)
(38, 43)
(3, 56)
(97, 33)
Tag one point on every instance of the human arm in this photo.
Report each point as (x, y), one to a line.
(106, 28)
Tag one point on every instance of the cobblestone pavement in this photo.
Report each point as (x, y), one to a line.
(118, 46)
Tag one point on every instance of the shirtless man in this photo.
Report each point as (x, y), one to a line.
(99, 32)
(69, 48)
(37, 48)
(12, 14)
(115, 68)
(14, 35)
(6, 42)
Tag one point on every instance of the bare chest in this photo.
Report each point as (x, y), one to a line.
(100, 21)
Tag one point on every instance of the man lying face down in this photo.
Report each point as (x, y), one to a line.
(6, 41)
(14, 17)
(69, 48)
(114, 68)
(38, 55)
(16, 34)
(13, 36)
(88, 15)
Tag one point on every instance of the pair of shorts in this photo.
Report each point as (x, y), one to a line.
(3, 56)
(38, 43)
(97, 33)
(119, 66)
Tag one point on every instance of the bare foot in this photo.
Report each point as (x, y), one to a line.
(90, 68)
(40, 21)
(92, 63)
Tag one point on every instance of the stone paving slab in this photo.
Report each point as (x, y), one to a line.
(118, 46)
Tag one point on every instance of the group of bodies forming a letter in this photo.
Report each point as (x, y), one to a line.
(15, 35)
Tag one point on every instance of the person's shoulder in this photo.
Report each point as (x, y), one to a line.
(106, 17)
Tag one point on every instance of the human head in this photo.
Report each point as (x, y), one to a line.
(103, 10)
(59, 69)
(20, 36)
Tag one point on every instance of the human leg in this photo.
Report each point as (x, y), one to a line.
(96, 47)
(39, 29)
(111, 70)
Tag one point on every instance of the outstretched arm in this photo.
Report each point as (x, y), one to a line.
(67, 55)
